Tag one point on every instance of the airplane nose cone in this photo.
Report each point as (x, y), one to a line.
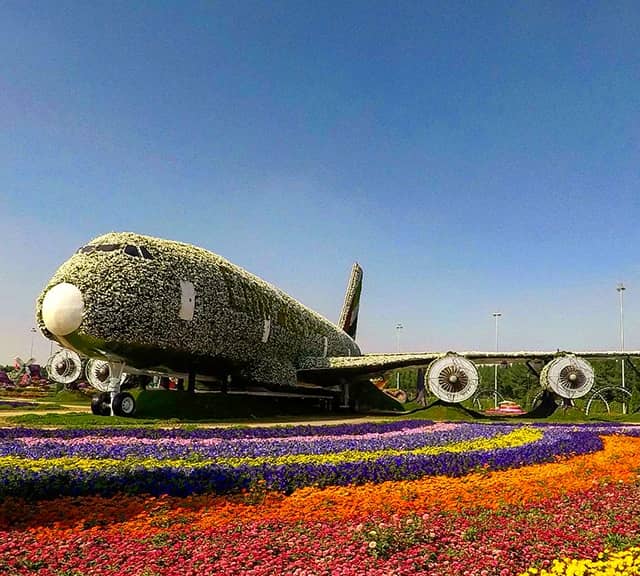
(62, 309)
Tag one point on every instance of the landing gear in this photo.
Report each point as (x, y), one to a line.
(108, 377)
(124, 404)
(101, 404)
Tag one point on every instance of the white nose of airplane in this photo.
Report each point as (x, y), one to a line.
(62, 309)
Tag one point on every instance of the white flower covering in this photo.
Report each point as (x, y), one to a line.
(135, 301)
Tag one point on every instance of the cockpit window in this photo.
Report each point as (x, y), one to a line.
(98, 248)
(131, 250)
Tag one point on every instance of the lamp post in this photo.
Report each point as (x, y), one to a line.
(496, 315)
(399, 328)
(620, 289)
(33, 333)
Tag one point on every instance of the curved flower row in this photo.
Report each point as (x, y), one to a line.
(252, 442)
(231, 433)
(499, 523)
(494, 447)
(7, 404)
(214, 448)
(621, 563)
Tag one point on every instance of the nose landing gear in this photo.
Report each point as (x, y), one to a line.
(108, 377)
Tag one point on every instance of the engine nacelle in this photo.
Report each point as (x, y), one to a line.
(98, 374)
(452, 378)
(568, 376)
(65, 366)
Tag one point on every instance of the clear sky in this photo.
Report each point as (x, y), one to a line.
(472, 156)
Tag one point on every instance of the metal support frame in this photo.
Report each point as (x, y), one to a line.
(532, 368)
(599, 394)
(344, 385)
(116, 379)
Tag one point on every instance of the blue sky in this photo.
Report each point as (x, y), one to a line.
(472, 157)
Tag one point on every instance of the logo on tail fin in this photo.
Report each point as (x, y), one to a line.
(349, 315)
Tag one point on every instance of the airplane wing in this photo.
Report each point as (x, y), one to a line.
(376, 363)
(454, 366)
(318, 369)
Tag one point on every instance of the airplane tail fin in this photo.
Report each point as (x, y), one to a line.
(349, 315)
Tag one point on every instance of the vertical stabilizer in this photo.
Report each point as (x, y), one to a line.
(349, 315)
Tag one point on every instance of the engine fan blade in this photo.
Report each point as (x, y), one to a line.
(568, 376)
(452, 378)
(98, 374)
(65, 366)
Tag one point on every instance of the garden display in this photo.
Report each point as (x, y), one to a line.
(405, 497)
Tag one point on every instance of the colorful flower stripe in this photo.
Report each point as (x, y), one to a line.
(223, 433)
(71, 476)
(198, 459)
(121, 447)
(622, 563)
(617, 462)
(8, 404)
(487, 524)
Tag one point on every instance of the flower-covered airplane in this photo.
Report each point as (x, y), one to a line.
(137, 304)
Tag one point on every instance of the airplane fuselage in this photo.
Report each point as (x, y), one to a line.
(165, 306)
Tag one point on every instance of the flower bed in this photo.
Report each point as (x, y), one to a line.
(45, 464)
(518, 499)
(11, 404)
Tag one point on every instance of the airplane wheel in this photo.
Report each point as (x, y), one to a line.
(124, 404)
(100, 405)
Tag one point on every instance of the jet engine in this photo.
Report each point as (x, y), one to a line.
(98, 374)
(64, 366)
(568, 376)
(452, 378)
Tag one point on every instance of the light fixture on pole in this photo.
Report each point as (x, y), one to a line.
(399, 328)
(620, 288)
(33, 333)
(496, 315)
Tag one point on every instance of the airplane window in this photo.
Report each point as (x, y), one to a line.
(145, 252)
(131, 250)
(98, 248)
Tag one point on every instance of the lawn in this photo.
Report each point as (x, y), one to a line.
(402, 497)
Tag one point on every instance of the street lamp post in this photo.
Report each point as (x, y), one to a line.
(33, 333)
(496, 315)
(399, 328)
(620, 289)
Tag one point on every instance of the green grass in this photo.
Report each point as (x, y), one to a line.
(83, 420)
(439, 411)
(78, 420)
(40, 406)
(71, 397)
